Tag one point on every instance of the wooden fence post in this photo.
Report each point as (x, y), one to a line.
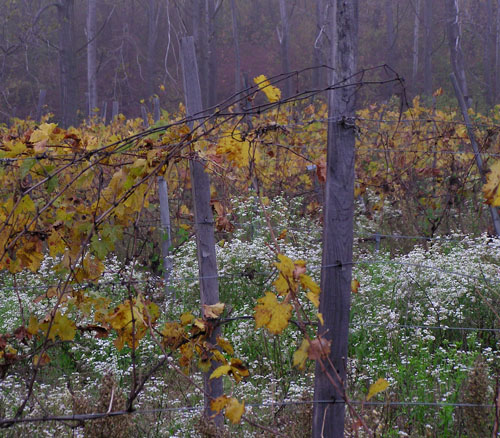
(166, 230)
(335, 298)
(144, 114)
(104, 111)
(114, 111)
(204, 221)
(166, 240)
(39, 107)
(156, 109)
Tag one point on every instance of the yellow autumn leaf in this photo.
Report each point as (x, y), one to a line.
(42, 360)
(172, 333)
(187, 318)
(354, 286)
(44, 132)
(272, 314)
(55, 243)
(313, 298)
(225, 345)
(236, 149)
(219, 403)
(33, 325)
(213, 311)
(283, 234)
(9, 349)
(234, 410)
(238, 370)
(281, 285)
(220, 371)
(379, 386)
(491, 189)
(13, 148)
(285, 265)
(309, 284)
(64, 327)
(272, 93)
(300, 356)
(26, 205)
(320, 317)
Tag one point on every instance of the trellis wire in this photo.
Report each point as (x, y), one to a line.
(96, 416)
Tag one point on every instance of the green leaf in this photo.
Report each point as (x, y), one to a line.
(26, 166)
(99, 247)
(51, 184)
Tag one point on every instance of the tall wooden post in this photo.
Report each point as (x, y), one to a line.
(328, 418)
(166, 240)
(144, 115)
(204, 220)
(114, 110)
(156, 109)
(39, 107)
(104, 111)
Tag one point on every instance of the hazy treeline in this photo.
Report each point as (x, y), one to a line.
(85, 53)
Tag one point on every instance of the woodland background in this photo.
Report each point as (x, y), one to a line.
(88, 53)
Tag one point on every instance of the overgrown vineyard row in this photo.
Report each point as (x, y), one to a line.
(71, 200)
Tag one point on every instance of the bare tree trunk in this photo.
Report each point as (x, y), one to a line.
(428, 86)
(489, 56)
(318, 55)
(153, 10)
(390, 44)
(200, 34)
(416, 34)
(211, 54)
(67, 63)
(283, 37)
(456, 54)
(322, 42)
(497, 51)
(237, 56)
(92, 56)
(328, 418)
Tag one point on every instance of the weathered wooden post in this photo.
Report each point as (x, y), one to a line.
(114, 110)
(104, 111)
(166, 240)
(156, 109)
(204, 221)
(144, 115)
(165, 229)
(335, 299)
(39, 107)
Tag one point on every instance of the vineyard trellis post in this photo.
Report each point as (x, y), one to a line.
(203, 216)
(166, 240)
(479, 161)
(114, 110)
(328, 418)
(144, 115)
(39, 107)
(156, 109)
(104, 111)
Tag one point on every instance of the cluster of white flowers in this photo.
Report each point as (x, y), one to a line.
(400, 302)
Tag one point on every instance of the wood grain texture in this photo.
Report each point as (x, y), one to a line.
(328, 419)
(204, 221)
